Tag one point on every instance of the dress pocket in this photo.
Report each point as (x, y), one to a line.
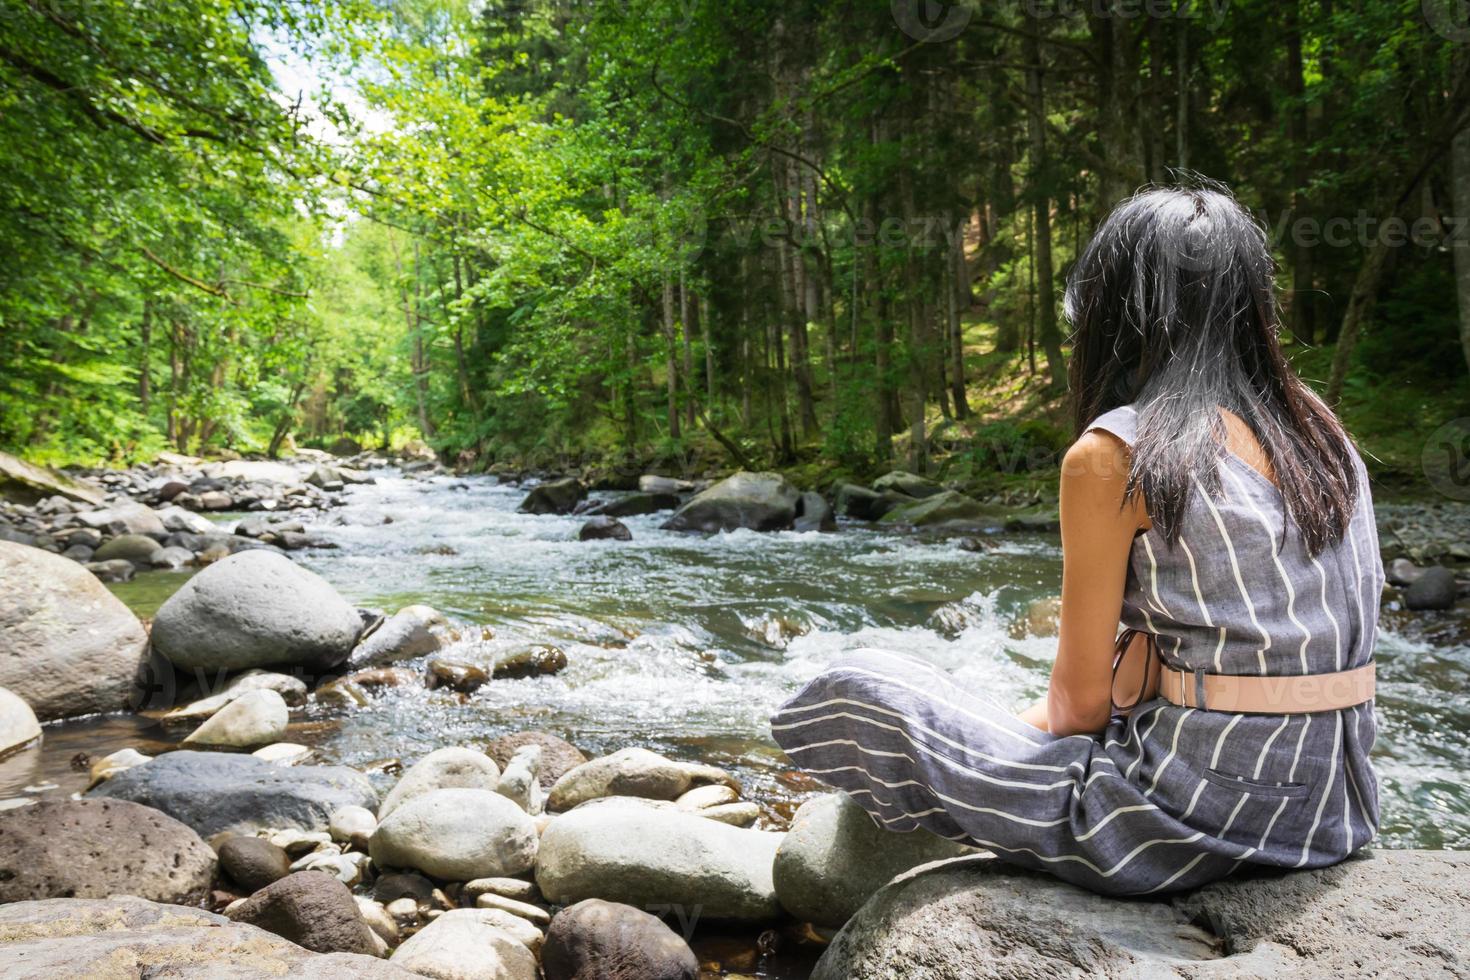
(1255, 787)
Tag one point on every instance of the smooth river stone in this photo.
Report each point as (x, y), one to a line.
(451, 767)
(597, 940)
(632, 772)
(654, 855)
(456, 834)
(254, 718)
(255, 609)
(466, 944)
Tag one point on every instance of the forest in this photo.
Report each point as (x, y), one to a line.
(744, 233)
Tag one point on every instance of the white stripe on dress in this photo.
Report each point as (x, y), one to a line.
(1280, 568)
(1235, 567)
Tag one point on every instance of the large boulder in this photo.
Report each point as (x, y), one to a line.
(653, 855)
(467, 944)
(27, 483)
(451, 767)
(458, 834)
(862, 504)
(597, 940)
(217, 791)
(412, 631)
(71, 647)
(96, 848)
(835, 857)
(632, 772)
(313, 910)
(254, 609)
(759, 501)
(558, 756)
(253, 470)
(1396, 913)
(18, 724)
(554, 497)
(1433, 588)
(813, 513)
(945, 507)
(127, 938)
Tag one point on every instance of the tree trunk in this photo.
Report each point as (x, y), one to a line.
(144, 381)
(1460, 233)
(1359, 311)
(671, 359)
(955, 279)
(1303, 299)
(685, 331)
(1047, 334)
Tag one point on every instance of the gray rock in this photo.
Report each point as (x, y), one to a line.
(217, 791)
(814, 514)
(18, 724)
(518, 780)
(71, 647)
(451, 767)
(632, 772)
(554, 497)
(1396, 913)
(945, 507)
(254, 609)
(127, 938)
(352, 825)
(78, 552)
(647, 854)
(26, 483)
(253, 862)
(604, 528)
(1434, 588)
(862, 504)
(558, 756)
(637, 504)
(176, 518)
(171, 558)
(291, 689)
(759, 501)
(254, 718)
(128, 517)
(88, 537)
(457, 834)
(313, 910)
(96, 848)
(136, 548)
(649, 483)
(466, 944)
(835, 857)
(116, 570)
(413, 631)
(908, 484)
(597, 940)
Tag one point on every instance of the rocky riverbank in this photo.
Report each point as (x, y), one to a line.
(526, 857)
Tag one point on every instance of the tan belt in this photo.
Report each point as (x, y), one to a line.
(1290, 694)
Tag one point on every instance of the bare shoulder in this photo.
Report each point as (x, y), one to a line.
(1098, 458)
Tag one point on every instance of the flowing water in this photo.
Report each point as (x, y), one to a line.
(685, 644)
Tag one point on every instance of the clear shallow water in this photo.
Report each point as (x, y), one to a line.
(686, 644)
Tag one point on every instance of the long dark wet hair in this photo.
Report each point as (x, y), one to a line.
(1174, 312)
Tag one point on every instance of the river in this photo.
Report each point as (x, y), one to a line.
(685, 644)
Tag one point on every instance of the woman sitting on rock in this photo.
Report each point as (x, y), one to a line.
(1216, 510)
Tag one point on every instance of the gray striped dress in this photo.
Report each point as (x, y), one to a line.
(1168, 797)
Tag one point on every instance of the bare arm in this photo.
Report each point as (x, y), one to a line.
(1097, 533)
